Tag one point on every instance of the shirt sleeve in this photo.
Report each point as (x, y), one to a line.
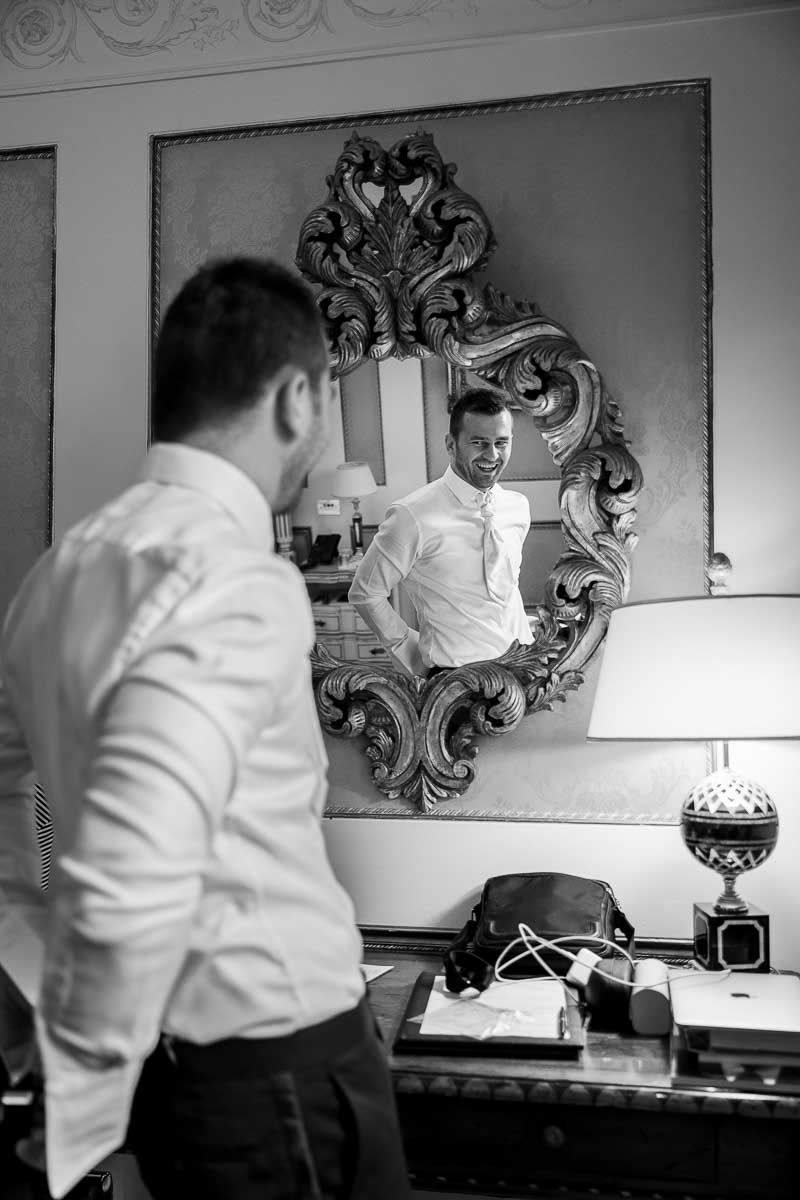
(169, 741)
(387, 561)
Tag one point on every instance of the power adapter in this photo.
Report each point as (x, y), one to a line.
(581, 968)
(616, 992)
(604, 985)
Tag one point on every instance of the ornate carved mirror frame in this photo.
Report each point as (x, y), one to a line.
(395, 247)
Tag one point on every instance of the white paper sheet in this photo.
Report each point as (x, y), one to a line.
(534, 1008)
(370, 971)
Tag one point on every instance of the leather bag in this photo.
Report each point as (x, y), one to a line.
(553, 905)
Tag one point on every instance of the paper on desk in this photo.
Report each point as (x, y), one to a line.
(533, 1008)
(370, 971)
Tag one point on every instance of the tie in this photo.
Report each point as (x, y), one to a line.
(497, 570)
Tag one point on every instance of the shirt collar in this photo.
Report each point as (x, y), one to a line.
(465, 492)
(215, 477)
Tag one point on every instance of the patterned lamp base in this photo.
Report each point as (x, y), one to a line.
(731, 825)
(733, 941)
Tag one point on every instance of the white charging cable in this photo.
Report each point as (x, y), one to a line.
(585, 962)
(649, 1010)
(533, 942)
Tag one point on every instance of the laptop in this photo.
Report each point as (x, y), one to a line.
(737, 1011)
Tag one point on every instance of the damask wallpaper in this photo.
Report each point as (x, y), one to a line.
(600, 207)
(27, 255)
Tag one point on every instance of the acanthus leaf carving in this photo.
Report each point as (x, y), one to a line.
(397, 276)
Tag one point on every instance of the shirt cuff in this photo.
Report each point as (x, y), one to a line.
(407, 654)
(86, 1112)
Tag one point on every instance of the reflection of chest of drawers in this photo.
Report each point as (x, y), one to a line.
(338, 626)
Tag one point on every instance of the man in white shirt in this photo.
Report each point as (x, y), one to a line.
(456, 545)
(155, 676)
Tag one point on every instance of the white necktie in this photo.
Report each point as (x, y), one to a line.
(497, 570)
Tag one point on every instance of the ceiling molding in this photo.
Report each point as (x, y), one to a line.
(60, 45)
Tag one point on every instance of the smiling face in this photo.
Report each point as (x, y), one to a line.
(481, 448)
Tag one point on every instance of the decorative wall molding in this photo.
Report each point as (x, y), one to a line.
(212, 189)
(27, 340)
(50, 45)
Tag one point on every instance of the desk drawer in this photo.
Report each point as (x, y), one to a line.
(335, 645)
(368, 650)
(349, 647)
(327, 619)
(338, 618)
(485, 1145)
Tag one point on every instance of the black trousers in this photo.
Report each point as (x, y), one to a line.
(307, 1117)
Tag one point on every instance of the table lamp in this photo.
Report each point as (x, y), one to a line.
(717, 668)
(351, 481)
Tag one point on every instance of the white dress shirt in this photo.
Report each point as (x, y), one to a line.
(432, 541)
(155, 670)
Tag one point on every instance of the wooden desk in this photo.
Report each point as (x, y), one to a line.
(611, 1124)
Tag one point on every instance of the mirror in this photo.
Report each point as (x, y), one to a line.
(396, 247)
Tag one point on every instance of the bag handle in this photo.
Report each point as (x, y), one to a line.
(624, 926)
(464, 968)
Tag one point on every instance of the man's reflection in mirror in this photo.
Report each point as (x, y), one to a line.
(456, 546)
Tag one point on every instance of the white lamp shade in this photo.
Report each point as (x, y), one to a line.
(709, 668)
(352, 480)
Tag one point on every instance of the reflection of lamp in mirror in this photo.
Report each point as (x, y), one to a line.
(716, 669)
(351, 481)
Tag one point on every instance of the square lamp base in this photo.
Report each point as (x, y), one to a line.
(733, 941)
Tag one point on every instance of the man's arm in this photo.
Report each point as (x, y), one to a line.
(386, 563)
(169, 742)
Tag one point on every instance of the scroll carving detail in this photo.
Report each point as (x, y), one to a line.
(395, 246)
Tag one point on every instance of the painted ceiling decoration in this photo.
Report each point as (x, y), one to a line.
(50, 44)
(38, 33)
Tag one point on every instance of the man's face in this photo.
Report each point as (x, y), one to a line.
(482, 447)
(309, 450)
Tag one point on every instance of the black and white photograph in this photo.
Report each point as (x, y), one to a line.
(400, 599)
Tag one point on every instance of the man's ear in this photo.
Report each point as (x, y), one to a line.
(449, 443)
(293, 404)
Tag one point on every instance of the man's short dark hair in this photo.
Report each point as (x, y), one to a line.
(229, 330)
(476, 400)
